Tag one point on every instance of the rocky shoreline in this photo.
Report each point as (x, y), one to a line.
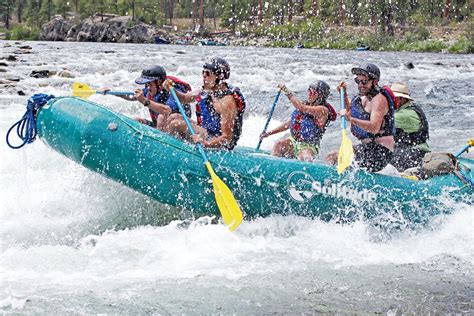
(121, 29)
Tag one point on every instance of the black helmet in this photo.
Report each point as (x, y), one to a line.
(151, 74)
(369, 70)
(322, 88)
(218, 66)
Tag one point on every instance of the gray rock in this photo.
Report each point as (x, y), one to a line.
(40, 74)
(10, 58)
(112, 29)
(56, 29)
(140, 33)
(66, 74)
(22, 52)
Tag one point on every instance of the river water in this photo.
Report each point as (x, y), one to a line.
(75, 242)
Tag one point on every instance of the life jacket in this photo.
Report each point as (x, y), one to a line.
(415, 138)
(304, 127)
(388, 124)
(208, 118)
(164, 97)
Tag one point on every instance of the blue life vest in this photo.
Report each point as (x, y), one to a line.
(388, 124)
(164, 97)
(304, 126)
(209, 119)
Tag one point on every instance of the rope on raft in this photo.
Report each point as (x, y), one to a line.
(26, 126)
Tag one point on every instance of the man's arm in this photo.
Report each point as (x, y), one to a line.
(155, 106)
(187, 97)
(377, 113)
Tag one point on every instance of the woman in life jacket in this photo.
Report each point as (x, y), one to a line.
(307, 123)
(219, 109)
(159, 102)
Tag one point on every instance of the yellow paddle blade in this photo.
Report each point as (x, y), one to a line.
(82, 90)
(414, 178)
(230, 210)
(471, 142)
(346, 152)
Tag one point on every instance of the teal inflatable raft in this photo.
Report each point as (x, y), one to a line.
(172, 172)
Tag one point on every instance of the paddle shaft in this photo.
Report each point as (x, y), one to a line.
(188, 123)
(269, 117)
(116, 93)
(343, 106)
(465, 148)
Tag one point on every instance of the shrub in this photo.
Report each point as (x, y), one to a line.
(423, 33)
(21, 32)
(463, 45)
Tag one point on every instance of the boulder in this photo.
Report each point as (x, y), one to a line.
(56, 29)
(66, 74)
(10, 58)
(112, 29)
(140, 33)
(40, 74)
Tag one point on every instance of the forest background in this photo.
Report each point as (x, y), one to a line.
(410, 25)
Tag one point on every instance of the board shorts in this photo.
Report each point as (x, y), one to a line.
(372, 156)
(298, 147)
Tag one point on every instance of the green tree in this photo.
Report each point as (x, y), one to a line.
(6, 9)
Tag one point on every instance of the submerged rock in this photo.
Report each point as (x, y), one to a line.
(10, 58)
(40, 74)
(66, 74)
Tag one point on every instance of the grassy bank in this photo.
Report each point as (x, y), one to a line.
(314, 34)
(21, 32)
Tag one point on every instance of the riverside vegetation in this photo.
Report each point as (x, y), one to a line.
(397, 25)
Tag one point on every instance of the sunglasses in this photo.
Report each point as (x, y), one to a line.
(363, 81)
(312, 91)
(206, 73)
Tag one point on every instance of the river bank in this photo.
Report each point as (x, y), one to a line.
(453, 38)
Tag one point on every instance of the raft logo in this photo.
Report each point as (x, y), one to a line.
(302, 187)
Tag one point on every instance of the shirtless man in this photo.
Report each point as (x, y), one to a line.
(219, 109)
(371, 115)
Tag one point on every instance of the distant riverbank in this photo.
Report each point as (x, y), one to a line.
(455, 38)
